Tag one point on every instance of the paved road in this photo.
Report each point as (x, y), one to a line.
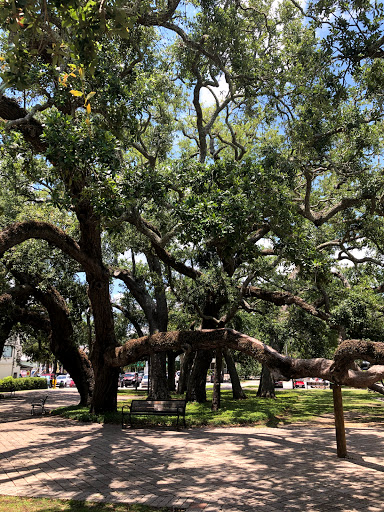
(231, 469)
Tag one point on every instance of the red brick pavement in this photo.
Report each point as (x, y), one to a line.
(228, 469)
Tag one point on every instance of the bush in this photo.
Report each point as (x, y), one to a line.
(23, 383)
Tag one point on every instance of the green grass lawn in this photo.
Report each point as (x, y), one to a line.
(17, 504)
(288, 407)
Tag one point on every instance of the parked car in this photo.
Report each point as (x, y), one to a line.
(140, 376)
(72, 383)
(317, 383)
(279, 384)
(129, 379)
(299, 384)
(62, 381)
(144, 382)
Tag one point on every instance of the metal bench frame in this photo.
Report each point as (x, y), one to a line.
(154, 408)
(39, 403)
(10, 390)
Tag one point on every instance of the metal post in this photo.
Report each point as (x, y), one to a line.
(339, 421)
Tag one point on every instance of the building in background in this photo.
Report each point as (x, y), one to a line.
(13, 363)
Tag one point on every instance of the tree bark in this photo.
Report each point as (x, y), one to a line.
(157, 378)
(237, 390)
(196, 391)
(217, 380)
(62, 344)
(171, 356)
(156, 312)
(281, 366)
(267, 384)
(104, 398)
(57, 327)
(158, 322)
(197, 381)
(185, 371)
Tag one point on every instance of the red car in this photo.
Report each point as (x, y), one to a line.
(299, 384)
(129, 379)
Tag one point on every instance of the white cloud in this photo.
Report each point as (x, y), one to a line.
(116, 296)
(139, 257)
(206, 96)
(265, 243)
(356, 253)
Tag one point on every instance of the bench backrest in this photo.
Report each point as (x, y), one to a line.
(168, 406)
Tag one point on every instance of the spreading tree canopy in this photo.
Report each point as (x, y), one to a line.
(237, 145)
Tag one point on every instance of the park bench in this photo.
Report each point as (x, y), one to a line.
(39, 404)
(10, 390)
(154, 408)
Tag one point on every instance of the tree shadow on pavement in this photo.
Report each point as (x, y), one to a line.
(237, 469)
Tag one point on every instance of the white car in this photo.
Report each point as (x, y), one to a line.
(62, 381)
(144, 382)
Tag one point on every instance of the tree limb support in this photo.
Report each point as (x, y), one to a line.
(341, 441)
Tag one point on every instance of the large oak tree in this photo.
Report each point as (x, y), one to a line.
(103, 103)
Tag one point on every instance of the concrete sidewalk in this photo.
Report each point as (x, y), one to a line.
(229, 469)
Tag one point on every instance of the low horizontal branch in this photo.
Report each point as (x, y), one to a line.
(281, 366)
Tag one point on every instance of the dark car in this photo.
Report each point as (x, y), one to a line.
(279, 384)
(129, 379)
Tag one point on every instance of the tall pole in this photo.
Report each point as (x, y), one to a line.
(339, 421)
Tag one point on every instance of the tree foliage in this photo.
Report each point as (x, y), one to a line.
(248, 202)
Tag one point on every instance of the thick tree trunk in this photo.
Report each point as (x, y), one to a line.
(267, 384)
(157, 378)
(198, 379)
(77, 364)
(217, 380)
(62, 344)
(237, 390)
(171, 356)
(185, 371)
(104, 398)
(156, 313)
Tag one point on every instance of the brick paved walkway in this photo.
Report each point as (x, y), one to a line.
(232, 469)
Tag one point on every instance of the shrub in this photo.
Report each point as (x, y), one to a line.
(23, 383)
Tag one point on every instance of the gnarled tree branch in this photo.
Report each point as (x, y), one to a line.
(19, 232)
(281, 366)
